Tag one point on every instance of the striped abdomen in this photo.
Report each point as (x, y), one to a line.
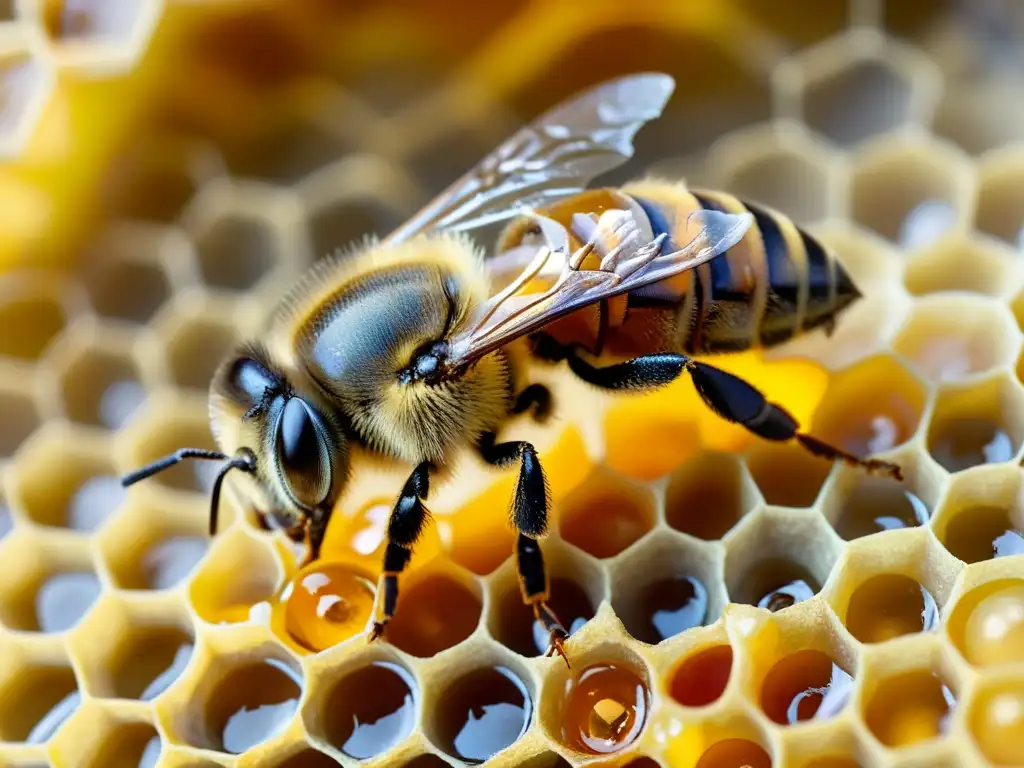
(777, 282)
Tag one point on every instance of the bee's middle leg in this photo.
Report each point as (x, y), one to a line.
(405, 525)
(530, 518)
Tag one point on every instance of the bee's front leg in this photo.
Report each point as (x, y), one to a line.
(405, 526)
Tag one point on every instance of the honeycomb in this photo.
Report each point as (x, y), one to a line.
(732, 602)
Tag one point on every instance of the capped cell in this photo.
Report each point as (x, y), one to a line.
(995, 718)
(708, 494)
(38, 692)
(961, 262)
(986, 621)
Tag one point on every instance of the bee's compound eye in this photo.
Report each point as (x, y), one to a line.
(303, 454)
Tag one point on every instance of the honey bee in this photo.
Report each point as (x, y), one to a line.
(415, 347)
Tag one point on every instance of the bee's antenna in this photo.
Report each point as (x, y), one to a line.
(245, 461)
(169, 461)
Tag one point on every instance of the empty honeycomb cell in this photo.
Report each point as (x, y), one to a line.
(777, 558)
(857, 85)
(50, 586)
(438, 609)
(27, 79)
(345, 224)
(987, 623)
(980, 517)
(960, 263)
(240, 571)
(996, 719)
(858, 504)
(909, 707)
(154, 545)
(734, 753)
(64, 479)
(484, 710)
(19, 415)
(38, 693)
(977, 424)
(370, 707)
(910, 191)
(606, 514)
(31, 316)
(101, 385)
(575, 588)
(950, 338)
(780, 167)
(328, 602)
(97, 33)
(6, 517)
(665, 585)
(305, 757)
(150, 645)
(1000, 208)
(708, 495)
(805, 685)
(871, 407)
(198, 341)
(787, 475)
(133, 745)
(701, 677)
(133, 265)
(235, 251)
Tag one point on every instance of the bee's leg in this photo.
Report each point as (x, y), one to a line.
(535, 397)
(315, 527)
(404, 528)
(530, 517)
(729, 396)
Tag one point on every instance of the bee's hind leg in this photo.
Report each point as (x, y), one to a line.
(530, 517)
(535, 398)
(405, 525)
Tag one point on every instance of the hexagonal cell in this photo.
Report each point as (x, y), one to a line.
(249, 698)
(910, 704)
(240, 572)
(780, 167)
(19, 415)
(776, 558)
(101, 385)
(949, 338)
(982, 515)
(38, 693)
(666, 585)
(50, 584)
(892, 584)
(857, 504)
(64, 479)
(735, 751)
(132, 649)
(303, 756)
(708, 495)
(996, 719)
(978, 424)
(959, 263)
(910, 191)
(576, 589)
(327, 602)
(439, 607)
(369, 706)
(1000, 207)
(235, 251)
(787, 475)
(987, 623)
(129, 744)
(27, 79)
(345, 224)
(97, 32)
(128, 283)
(198, 340)
(701, 676)
(606, 514)
(871, 407)
(32, 313)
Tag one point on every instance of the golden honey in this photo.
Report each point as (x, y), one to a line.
(888, 606)
(327, 603)
(982, 533)
(437, 612)
(909, 708)
(605, 710)
(994, 633)
(997, 724)
(702, 677)
(806, 685)
(735, 753)
(371, 709)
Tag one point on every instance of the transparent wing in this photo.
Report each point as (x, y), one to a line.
(556, 155)
(626, 264)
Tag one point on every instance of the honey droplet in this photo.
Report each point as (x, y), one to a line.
(803, 686)
(995, 629)
(735, 753)
(370, 710)
(998, 726)
(328, 604)
(702, 677)
(910, 708)
(252, 704)
(482, 713)
(982, 533)
(669, 607)
(890, 605)
(605, 710)
(879, 504)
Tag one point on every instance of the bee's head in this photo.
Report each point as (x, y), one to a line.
(272, 430)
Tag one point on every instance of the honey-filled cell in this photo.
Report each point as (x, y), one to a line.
(519, 630)
(982, 533)
(994, 629)
(605, 709)
(239, 571)
(874, 504)
(481, 713)
(805, 685)
(251, 704)
(910, 708)
(701, 678)
(606, 514)
(436, 611)
(327, 603)
(997, 721)
(889, 605)
(735, 753)
(787, 475)
(708, 495)
(370, 709)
